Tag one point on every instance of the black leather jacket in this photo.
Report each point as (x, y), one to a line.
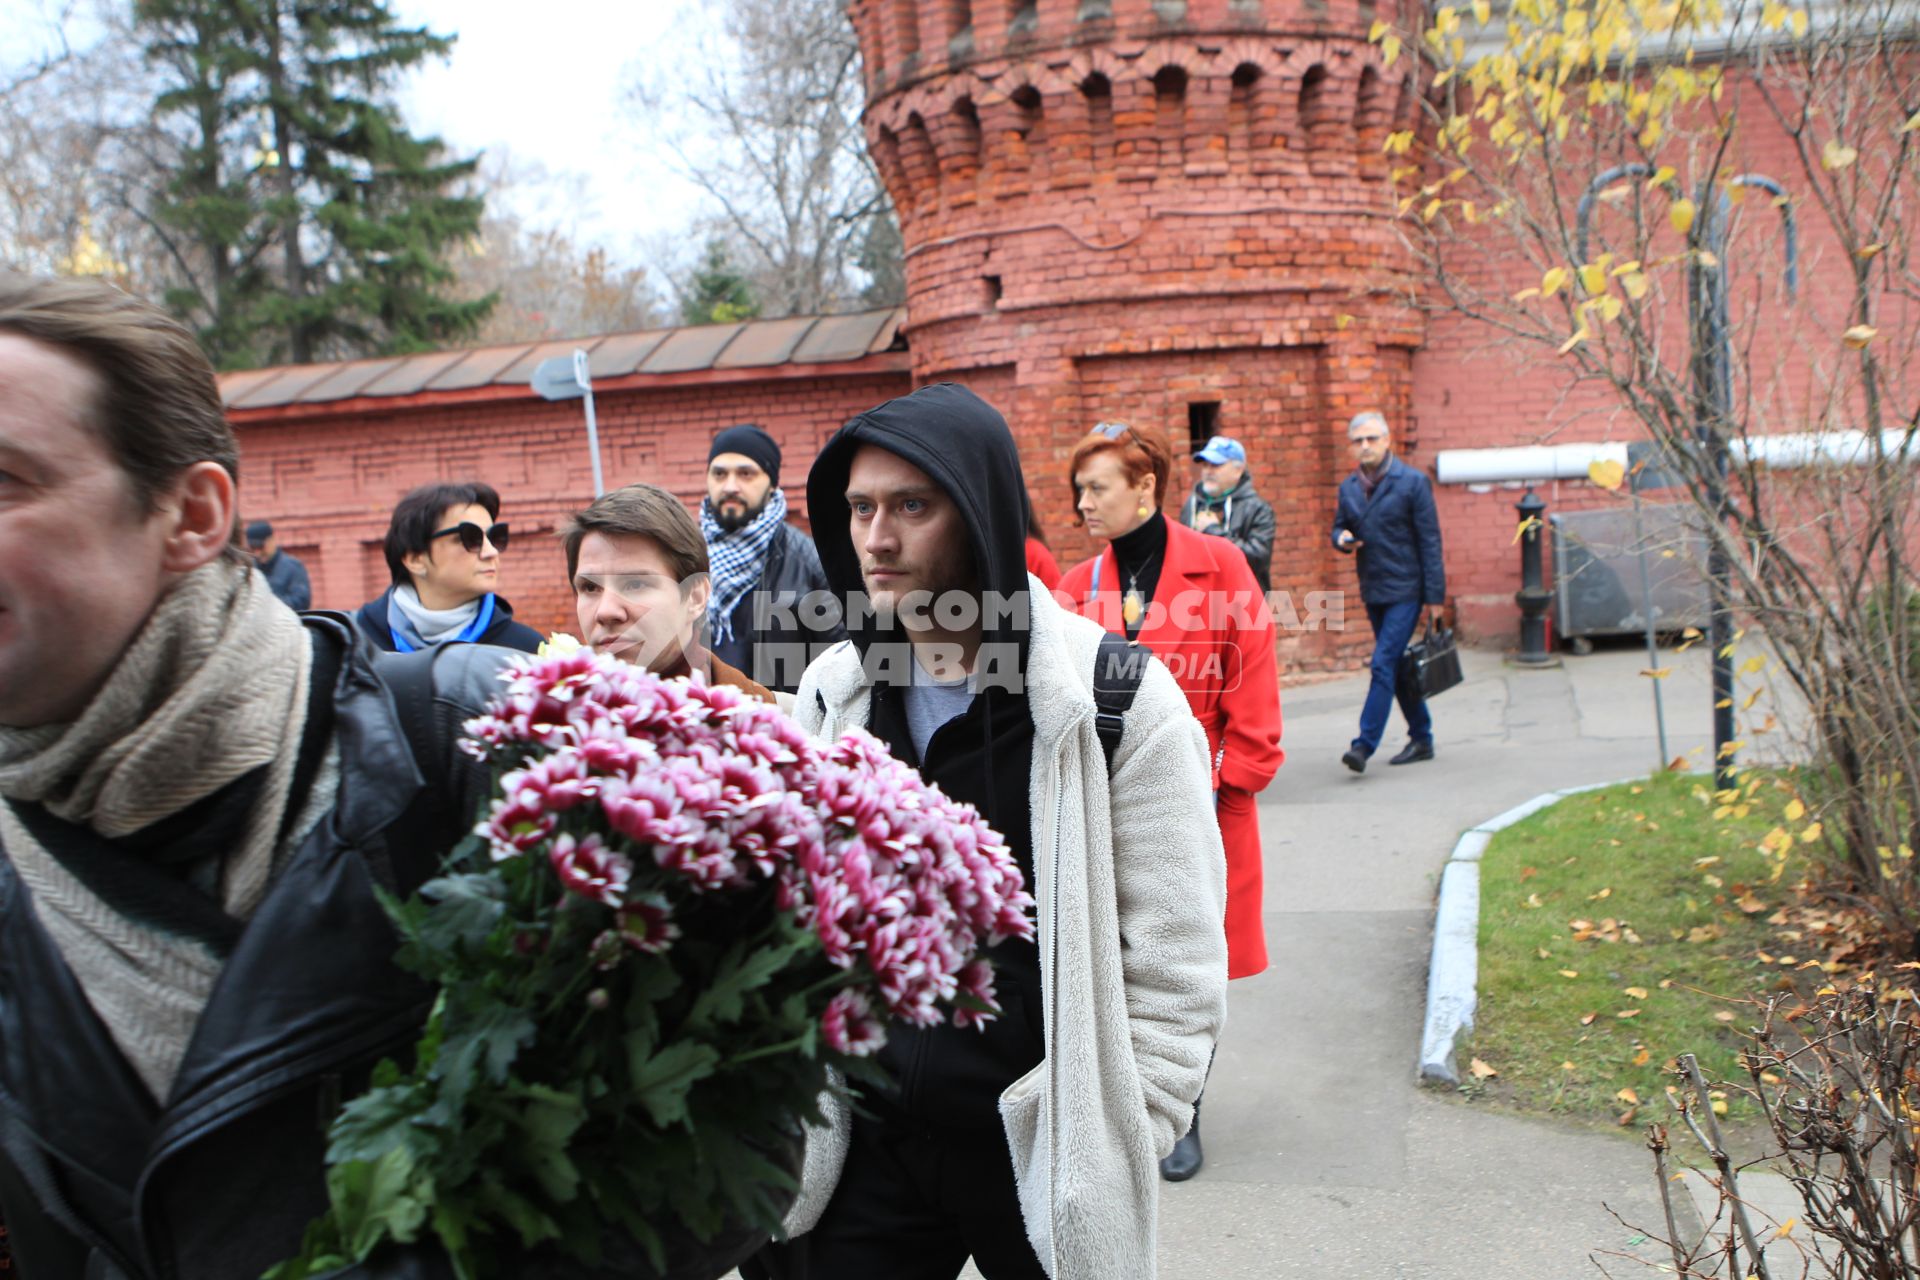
(790, 618)
(99, 1183)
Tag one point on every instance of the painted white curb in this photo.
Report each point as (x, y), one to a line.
(1453, 970)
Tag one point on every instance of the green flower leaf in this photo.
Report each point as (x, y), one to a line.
(661, 1080)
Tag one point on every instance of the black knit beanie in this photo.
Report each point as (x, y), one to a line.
(749, 441)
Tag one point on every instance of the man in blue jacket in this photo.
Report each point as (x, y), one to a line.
(1386, 517)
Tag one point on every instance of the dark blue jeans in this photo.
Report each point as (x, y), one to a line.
(1393, 626)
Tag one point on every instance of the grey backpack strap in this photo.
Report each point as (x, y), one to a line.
(1117, 670)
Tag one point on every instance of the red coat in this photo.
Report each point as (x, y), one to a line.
(1041, 564)
(1208, 621)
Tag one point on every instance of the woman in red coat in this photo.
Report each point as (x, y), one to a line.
(1193, 600)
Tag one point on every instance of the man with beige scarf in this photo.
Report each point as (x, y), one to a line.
(199, 793)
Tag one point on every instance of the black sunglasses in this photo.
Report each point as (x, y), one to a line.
(472, 535)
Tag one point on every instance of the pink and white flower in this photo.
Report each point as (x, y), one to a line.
(589, 869)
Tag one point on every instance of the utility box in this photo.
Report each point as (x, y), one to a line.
(1597, 555)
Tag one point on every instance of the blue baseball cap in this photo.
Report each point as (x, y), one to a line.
(1222, 449)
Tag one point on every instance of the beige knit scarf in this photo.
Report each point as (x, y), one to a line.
(213, 687)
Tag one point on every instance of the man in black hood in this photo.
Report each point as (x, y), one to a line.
(968, 670)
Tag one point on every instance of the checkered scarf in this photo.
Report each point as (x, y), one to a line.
(736, 559)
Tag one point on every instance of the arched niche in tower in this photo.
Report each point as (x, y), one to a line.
(961, 156)
(1324, 122)
(1169, 115)
(886, 157)
(1372, 121)
(918, 162)
(1026, 139)
(1096, 92)
(1245, 126)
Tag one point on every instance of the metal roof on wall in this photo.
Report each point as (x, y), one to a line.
(754, 344)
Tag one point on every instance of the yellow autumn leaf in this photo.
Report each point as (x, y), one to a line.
(1377, 30)
(1524, 294)
(1627, 1013)
(1482, 12)
(1481, 1070)
(1580, 335)
(1786, 1228)
(1525, 527)
(1859, 336)
(1593, 278)
(1390, 50)
(1835, 155)
(1720, 1106)
(1608, 473)
(1343, 321)
(1638, 993)
(1568, 1066)
(1912, 124)
(1799, 24)
(1811, 834)
(1550, 283)
(1642, 1058)
(1867, 252)
(1680, 214)
(1725, 1015)
(1661, 176)
(1657, 673)
(1433, 207)
(1627, 1095)
(1635, 283)
(1610, 308)
(1795, 810)
(1752, 665)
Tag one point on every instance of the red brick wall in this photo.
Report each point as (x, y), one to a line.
(328, 481)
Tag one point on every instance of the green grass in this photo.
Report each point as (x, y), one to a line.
(1631, 862)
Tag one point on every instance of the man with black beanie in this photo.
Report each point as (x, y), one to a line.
(771, 611)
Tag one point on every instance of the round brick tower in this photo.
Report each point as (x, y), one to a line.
(1156, 211)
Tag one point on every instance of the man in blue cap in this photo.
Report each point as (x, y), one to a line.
(1224, 503)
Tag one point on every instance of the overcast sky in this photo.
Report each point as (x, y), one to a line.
(544, 81)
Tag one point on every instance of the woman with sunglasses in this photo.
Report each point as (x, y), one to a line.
(443, 551)
(1193, 600)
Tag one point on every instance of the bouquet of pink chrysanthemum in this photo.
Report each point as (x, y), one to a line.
(676, 916)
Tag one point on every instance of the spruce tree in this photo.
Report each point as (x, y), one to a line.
(717, 293)
(305, 222)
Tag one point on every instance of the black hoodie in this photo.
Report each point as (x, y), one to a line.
(948, 1078)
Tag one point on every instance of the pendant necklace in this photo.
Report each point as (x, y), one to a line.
(1132, 607)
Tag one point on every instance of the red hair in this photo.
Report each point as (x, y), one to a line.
(1142, 451)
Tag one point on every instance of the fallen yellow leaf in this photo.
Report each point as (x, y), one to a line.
(1587, 1020)
(1569, 973)
(1657, 673)
(1638, 993)
(1627, 1095)
(1724, 1015)
(1481, 1071)
(1641, 1058)
(1720, 1106)
(1627, 1013)
(1568, 1066)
